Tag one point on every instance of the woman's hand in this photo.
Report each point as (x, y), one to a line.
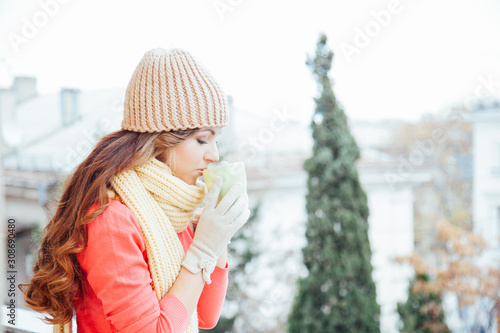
(217, 225)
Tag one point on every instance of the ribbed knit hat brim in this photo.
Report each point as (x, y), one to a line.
(172, 90)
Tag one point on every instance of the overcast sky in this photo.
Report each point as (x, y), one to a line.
(393, 59)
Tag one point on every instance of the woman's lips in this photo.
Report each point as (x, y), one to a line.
(200, 171)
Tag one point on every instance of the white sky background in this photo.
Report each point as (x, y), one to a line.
(430, 55)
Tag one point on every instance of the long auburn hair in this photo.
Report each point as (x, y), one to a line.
(58, 280)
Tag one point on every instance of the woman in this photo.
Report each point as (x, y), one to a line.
(125, 250)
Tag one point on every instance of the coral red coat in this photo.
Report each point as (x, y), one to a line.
(121, 297)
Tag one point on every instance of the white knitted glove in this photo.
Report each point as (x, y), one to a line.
(216, 227)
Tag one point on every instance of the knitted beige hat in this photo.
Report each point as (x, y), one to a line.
(171, 90)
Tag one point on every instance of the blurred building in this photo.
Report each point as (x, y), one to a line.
(486, 182)
(486, 200)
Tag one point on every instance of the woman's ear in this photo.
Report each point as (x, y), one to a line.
(167, 157)
(162, 157)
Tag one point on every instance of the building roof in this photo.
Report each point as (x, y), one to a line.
(485, 112)
(40, 141)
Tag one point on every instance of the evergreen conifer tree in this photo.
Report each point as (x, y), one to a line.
(338, 295)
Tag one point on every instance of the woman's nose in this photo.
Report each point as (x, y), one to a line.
(212, 155)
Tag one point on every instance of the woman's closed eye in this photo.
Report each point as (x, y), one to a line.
(205, 142)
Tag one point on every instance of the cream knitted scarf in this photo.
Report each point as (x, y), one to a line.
(163, 204)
